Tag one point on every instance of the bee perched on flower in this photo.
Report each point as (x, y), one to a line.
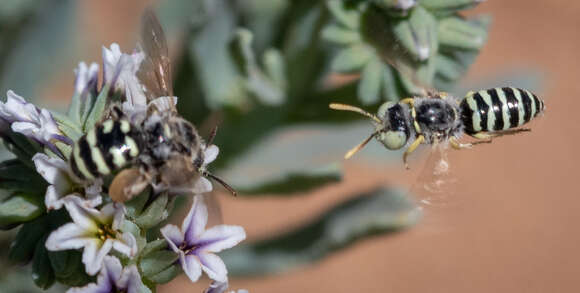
(115, 162)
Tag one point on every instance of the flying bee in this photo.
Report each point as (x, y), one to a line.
(438, 117)
(160, 149)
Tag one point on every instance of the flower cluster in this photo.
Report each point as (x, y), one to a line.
(111, 236)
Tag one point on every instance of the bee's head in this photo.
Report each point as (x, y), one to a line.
(393, 131)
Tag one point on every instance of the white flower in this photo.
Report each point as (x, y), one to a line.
(86, 78)
(35, 123)
(196, 246)
(95, 231)
(57, 173)
(120, 70)
(114, 278)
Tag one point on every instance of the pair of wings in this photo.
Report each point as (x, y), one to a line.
(155, 70)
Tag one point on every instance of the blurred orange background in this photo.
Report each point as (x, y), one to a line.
(514, 227)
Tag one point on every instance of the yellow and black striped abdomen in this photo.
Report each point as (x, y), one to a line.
(498, 109)
(108, 147)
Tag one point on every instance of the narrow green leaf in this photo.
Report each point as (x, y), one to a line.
(19, 208)
(459, 33)
(74, 110)
(418, 34)
(369, 87)
(348, 17)
(69, 269)
(154, 213)
(136, 204)
(42, 273)
(339, 35)
(128, 226)
(448, 6)
(381, 211)
(352, 58)
(68, 127)
(275, 67)
(390, 88)
(98, 108)
(166, 275)
(156, 262)
(154, 246)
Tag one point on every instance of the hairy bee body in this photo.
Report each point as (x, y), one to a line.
(108, 147)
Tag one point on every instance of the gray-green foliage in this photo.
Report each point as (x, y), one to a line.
(263, 71)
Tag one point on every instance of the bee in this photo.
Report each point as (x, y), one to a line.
(438, 117)
(161, 149)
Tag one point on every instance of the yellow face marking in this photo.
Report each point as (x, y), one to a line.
(81, 163)
(108, 126)
(504, 109)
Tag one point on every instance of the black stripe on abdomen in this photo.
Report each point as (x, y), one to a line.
(497, 108)
(85, 154)
(527, 105)
(483, 109)
(513, 105)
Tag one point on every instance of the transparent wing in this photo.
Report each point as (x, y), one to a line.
(155, 71)
(214, 210)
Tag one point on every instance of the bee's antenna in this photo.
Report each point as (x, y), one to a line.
(222, 182)
(361, 145)
(343, 107)
(212, 135)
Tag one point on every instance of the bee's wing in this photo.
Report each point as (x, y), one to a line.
(155, 70)
(214, 210)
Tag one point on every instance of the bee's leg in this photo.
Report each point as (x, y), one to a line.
(420, 139)
(457, 145)
(487, 136)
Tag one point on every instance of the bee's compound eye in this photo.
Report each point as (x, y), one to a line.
(382, 112)
(393, 140)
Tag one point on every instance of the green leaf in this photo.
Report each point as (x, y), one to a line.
(156, 262)
(369, 88)
(22, 147)
(418, 34)
(23, 246)
(381, 211)
(339, 35)
(352, 58)
(390, 88)
(69, 268)
(69, 128)
(97, 109)
(154, 213)
(444, 7)
(348, 17)
(275, 68)
(136, 204)
(166, 275)
(128, 226)
(459, 33)
(19, 208)
(154, 246)
(42, 272)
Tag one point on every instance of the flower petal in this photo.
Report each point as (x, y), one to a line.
(126, 244)
(112, 269)
(213, 266)
(53, 170)
(68, 236)
(133, 281)
(80, 214)
(91, 288)
(191, 267)
(194, 224)
(210, 154)
(173, 236)
(94, 253)
(221, 237)
(217, 287)
(202, 185)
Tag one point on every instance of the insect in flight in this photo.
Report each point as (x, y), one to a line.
(438, 117)
(159, 148)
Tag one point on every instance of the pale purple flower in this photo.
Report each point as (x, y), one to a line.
(203, 185)
(197, 247)
(221, 287)
(96, 231)
(114, 278)
(86, 78)
(27, 119)
(120, 70)
(62, 184)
